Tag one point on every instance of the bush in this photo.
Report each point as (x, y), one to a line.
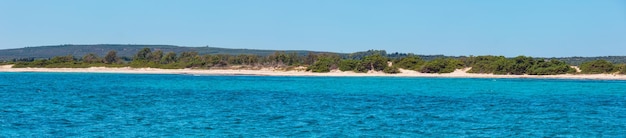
(621, 68)
(552, 67)
(391, 70)
(321, 65)
(410, 62)
(375, 62)
(597, 67)
(484, 64)
(348, 65)
(441, 65)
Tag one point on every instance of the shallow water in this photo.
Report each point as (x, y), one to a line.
(128, 105)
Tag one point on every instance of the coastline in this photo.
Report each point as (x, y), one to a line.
(459, 73)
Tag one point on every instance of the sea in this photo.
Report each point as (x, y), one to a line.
(181, 105)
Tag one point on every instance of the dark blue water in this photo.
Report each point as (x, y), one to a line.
(126, 105)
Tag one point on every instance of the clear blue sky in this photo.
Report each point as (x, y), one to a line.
(547, 28)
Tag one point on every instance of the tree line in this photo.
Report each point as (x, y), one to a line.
(360, 62)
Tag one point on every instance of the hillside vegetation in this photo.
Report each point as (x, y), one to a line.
(126, 52)
(123, 51)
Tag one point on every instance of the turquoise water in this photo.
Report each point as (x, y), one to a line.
(128, 105)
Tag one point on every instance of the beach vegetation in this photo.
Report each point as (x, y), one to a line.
(391, 70)
(349, 65)
(597, 67)
(111, 58)
(321, 65)
(621, 68)
(375, 62)
(91, 58)
(550, 67)
(410, 62)
(360, 62)
(441, 65)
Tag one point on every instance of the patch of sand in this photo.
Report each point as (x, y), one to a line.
(459, 73)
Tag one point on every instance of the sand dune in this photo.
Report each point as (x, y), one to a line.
(459, 73)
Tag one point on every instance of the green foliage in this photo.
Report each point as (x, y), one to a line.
(111, 57)
(391, 70)
(552, 67)
(375, 62)
(364, 54)
(361, 68)
(411, 62)
(156, 56)
(621, 68)
(501, 65)
(35, 64)
(127, 51)
(521, 65)
(597, 67)
(62, 59)
(441, 65)
(348, 64)
(488, 64)
(169, 58)
(321, 65)
(324, 63)
(143, 54)
(283, 59)
(310, 58)
(91, 58)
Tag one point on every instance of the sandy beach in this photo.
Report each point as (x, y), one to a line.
(459, 73)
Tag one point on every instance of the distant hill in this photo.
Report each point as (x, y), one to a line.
(125, 50)
(130, 50)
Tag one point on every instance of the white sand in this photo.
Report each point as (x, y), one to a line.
(460, 73)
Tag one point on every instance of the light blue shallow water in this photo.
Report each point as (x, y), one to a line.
(80, 104)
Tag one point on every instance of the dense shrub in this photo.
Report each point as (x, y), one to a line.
(441, 65)
(552, 67)
(348, 65)
(391, 70)
(597, 67)
(410, 62)
(321, 65)
(621, 68)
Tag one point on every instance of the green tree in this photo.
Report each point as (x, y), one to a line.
(375, 62)
(411, 62)
(187, 57)
(156, 56)
(310, 58)
(62, 59)
(441, 65)
(552, 67)
(391, 70)
(91, 58)
(502, 66)
(488, 64)
(142, 55)
(521, 65)
(111, 57)
(597, 67)
(621, 68)
(348, 64)
(169, 58)
(323, 64)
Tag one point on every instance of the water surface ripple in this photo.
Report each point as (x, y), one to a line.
(129, 105)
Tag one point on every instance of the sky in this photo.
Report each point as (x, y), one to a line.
(540, 28)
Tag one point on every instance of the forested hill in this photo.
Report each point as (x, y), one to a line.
(124, 50)
(45, 52)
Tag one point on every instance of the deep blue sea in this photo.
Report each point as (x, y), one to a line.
(135, 105)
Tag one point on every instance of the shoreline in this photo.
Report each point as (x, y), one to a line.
(459, 73)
